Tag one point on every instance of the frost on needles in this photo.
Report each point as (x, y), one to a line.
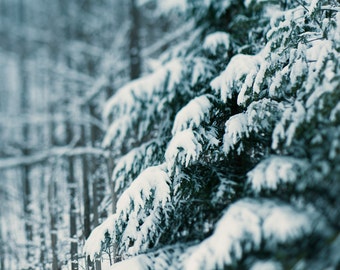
(229, 154)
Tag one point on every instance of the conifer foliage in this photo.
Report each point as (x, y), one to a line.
(228, 155)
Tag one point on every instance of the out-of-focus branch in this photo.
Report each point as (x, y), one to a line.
(8, 163)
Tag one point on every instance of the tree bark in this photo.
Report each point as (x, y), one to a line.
(53, 222)
(73, 205)
(25, 170)
(86, 191)
(134, 46)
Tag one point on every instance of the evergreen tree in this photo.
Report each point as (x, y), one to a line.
(228, 154)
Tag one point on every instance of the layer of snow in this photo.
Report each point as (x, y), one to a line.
(266, 265)
(139, 209)
(93, 244)
(216, 39)
(276, 170)
(230, 80)
(140, 262)
(191, 115)
(236, 128)
(152, 183)
(128, 166)
(183, 148)
(244, 227)
(143, 89)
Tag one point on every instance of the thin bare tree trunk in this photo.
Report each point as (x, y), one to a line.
(73, 204)
(86, 192)
(42, 224)
(25, 170)
(53, 222)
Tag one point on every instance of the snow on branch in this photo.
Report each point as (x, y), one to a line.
(266, 265)
(244, 227)
(130, 165)
(152, 182)
(274, 171)
(184, 148)
(200, 69)
(215, 40)
(139, 262)
(116, 132)
(236, 128)
(241, 68)
(260, 116)
(191, 115)
(93, 244)
(143, 90)
(139, 208)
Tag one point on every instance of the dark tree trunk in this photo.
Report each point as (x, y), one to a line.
(53, 222)
(86, 191)
(134, 46)
(24, 107)
(72, 201)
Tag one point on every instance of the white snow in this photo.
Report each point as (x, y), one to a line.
(152, 183)
(183, 148)
(132, 163)
(276, 170)
(191, 115)
(92, 246)
(297, 118)
(313, 5)
(166, 6)
(140, 262)
(244, 226)
(143, 89)
(117, 131)
(230, 80)
(202, 69)
(266, 265)
(216, 39)
(235, 129)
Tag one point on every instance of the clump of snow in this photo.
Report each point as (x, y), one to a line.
(313, 6)
(244, 226)
(133, 162)
(191, 115)
(143, 89)
(166, 6)
(216, 39)
(139, 209)
(276, 170)
(231, 79)
(184, 148)
(266, 265)
(151, 183)
(93, 244)
(235, 129)
(260, 116)
(263, 114)
(140, 262)
(285, 224)
(275, 88)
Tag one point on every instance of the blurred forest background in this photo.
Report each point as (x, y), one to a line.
(182, 134)
(59, 61)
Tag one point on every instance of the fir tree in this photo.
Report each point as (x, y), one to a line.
(228, 155)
